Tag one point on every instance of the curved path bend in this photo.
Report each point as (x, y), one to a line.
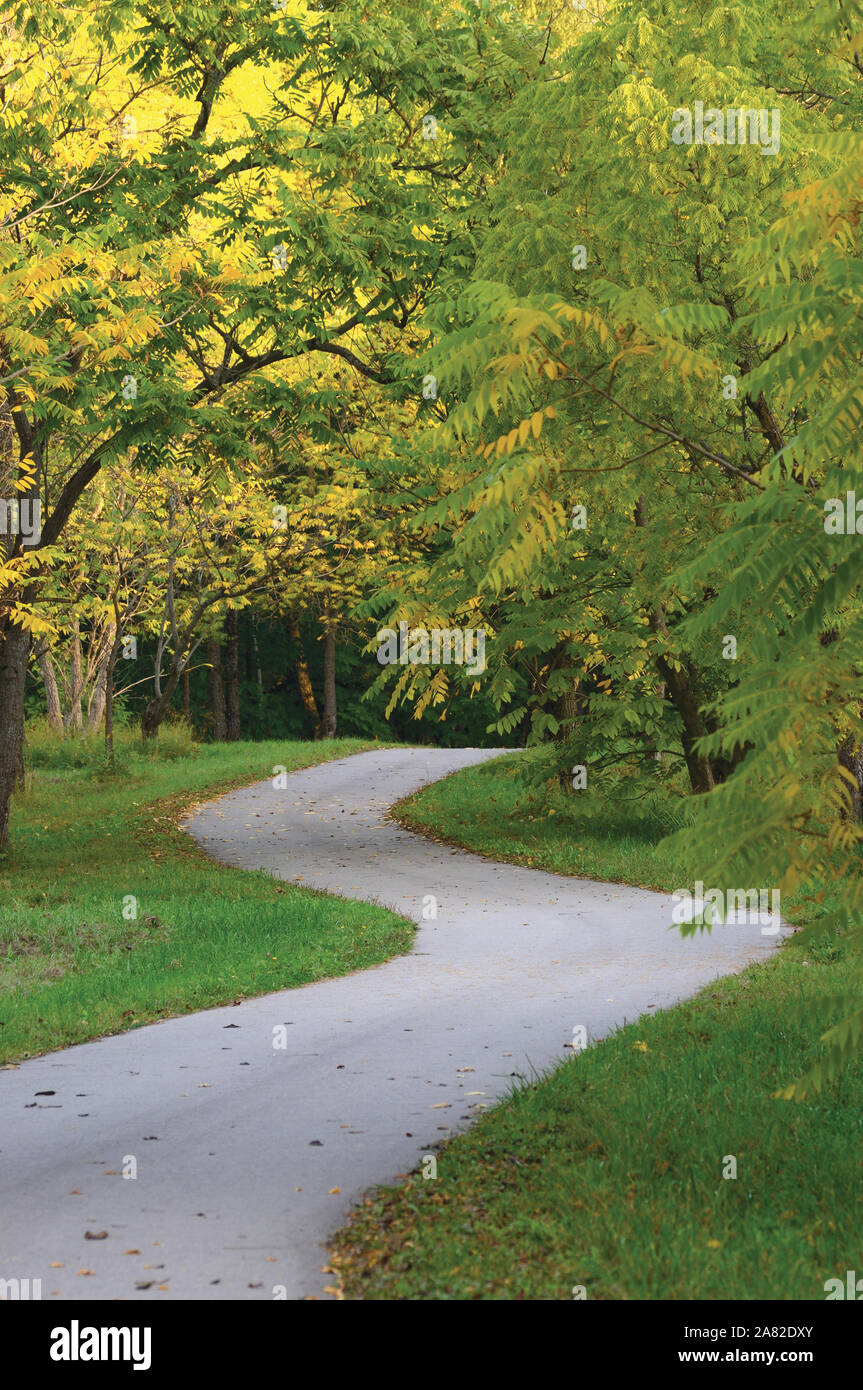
(239, 1145)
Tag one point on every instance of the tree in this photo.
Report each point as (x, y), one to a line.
(610, 390)
(745, 519)
(234, 190)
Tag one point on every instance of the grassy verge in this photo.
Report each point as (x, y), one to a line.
(492, 810)
(72, 967)
(608, 1174)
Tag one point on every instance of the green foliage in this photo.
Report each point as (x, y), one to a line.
(667, 336)
(73, 968)
(86, 751)
(646, 358)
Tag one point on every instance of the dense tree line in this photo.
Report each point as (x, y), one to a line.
(536, 325)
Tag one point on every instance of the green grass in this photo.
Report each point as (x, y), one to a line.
(607, 1174)
(617, 835)
(73, 968)
(493, 810)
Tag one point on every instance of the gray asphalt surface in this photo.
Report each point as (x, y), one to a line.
(239, 1144)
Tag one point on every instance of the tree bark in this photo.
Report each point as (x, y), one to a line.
(14, 656)
(100, 694)
(49, 680)
(15, 642)
(259, 677)
(568, 711)
(330, 719)
(851, 758)
(679, 687)
(217, 694)
(156, 709)
(110, 663)
(74, 719)
(304, 680)
(109, 720)
(232, 678)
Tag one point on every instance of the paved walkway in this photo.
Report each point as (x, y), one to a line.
(239, 1145)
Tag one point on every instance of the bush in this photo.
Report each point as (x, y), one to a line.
(45, 749)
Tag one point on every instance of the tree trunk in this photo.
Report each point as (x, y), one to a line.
(110, 663)
(99, 700)
(156, 709)
(330, 719)
(661, 692)
(680, 688)
(217, 694)
(15, 642)
(14, 655)
(49, 680)
(74, 719)
(259, 677)
(568, 711)
(187, 697)
(232, 681)
(851, 758)
(109, 721)
(304, 680)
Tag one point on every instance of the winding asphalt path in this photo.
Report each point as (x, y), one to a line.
(239, 1145)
